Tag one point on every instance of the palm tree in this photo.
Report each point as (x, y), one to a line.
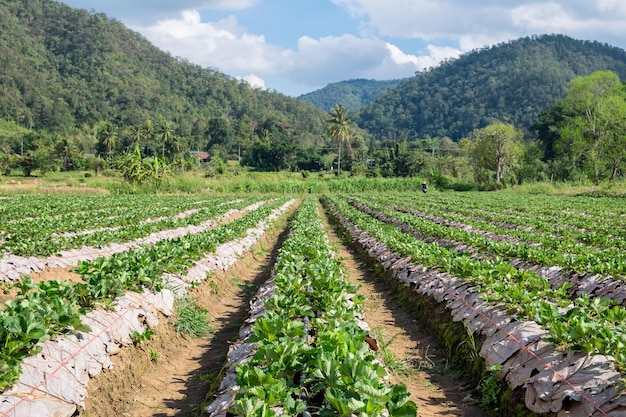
(339, 129)
(147, 131)
(135, 134)
(107, 136)
(165, 132)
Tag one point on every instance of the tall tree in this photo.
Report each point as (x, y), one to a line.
(147, 133)
(495, 149)
(595, 109)
(339, 129)
(165, 133)
(107, 138)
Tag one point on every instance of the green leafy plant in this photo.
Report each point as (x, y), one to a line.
(490, 387)
(139, 338)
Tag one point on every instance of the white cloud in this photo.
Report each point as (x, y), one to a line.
(445, 28)
(222, 44)
(254, 80)
(473, 21)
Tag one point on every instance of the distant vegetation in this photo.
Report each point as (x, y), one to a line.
(68, 72)
(351, 94)
(81, 92)
(512, 82)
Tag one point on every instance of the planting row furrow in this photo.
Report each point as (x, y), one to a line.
(554, 380)
(46, 240)
(303, 349)
(572, 256)
(51, 307)
(593, 224)
(553, 235)
(13, 266)
(520, 256)
(116, 210)
(591, 324)
(54, 381)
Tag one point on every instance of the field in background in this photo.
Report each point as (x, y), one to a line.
(236, 181)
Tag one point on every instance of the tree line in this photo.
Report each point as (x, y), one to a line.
(581, 137)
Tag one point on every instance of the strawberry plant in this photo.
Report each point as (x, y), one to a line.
(325, 367)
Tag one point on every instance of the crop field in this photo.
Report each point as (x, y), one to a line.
(535, 282)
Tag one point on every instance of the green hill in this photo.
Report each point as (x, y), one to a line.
(63, 68)
(511, 82)
(351, 94)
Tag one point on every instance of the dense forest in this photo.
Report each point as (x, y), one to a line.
(351, 94)
(512, 81)
(65, 70)
(80, 91)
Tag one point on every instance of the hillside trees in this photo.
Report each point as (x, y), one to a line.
(62, 69)
(583, 136)
(513, 81)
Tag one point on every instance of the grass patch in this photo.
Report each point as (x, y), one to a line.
(191, 320)
(396, 365)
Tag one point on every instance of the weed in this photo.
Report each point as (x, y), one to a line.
(425, 362)
(191, 319)
(154, 355)
(139, 338)
(490, 387)
(396, 365)
(214, 288)
(258, 252)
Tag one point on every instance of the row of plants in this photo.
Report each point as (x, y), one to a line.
(573, 257)
(139, 221)
(570, 208)
(91, 213)
(595, 221)
(589, 324)
(35, 205)
(41, 311)
(311, 357)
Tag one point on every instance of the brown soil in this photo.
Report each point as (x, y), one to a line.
(416, 360)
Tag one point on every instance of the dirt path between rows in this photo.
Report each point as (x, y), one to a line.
(170, 376)
(415, 359)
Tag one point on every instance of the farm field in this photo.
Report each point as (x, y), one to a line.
(525, 293)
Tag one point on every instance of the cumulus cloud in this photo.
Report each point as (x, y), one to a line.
(227, 46)
(254, 80)
(222, 44)
(443, 28)
(331, 59)
(489, 21)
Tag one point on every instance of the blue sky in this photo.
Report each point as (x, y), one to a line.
(297, 46)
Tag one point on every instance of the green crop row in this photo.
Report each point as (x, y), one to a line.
(595, 221)
(552, 252)
(592, 324)
(49, 308)
(311, 357)
(42, 235)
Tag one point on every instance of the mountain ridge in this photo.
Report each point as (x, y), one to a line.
(512, 82)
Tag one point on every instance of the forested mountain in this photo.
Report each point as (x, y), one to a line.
(512, 82)
(63, 68)
(351, 94)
